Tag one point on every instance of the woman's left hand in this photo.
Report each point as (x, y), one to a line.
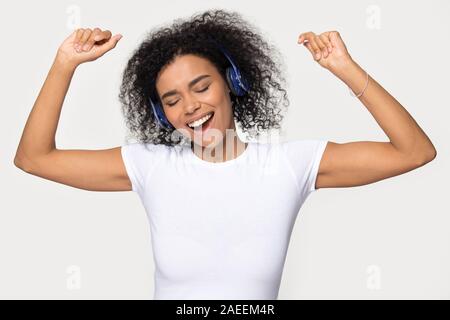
(327, 49)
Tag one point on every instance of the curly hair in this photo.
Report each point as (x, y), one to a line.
(258, 110)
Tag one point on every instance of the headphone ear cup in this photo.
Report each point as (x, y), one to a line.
(233, 83)
(160, 116)
(233, 77)
(229, 81)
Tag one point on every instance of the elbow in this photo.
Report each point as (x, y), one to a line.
(20, 163)
(426, 157)
(433, 154)
(17, 161)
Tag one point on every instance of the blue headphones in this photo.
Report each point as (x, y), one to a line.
(238, 85)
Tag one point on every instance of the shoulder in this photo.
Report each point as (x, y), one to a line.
(141, 159)
(304, 152)
(304, 146)
(145, 154)
(296, 145)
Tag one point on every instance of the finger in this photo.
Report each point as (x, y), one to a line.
(326, 40)
(86, 34)
(110, 44)
(78, 35)
(310, 48)
(334, 37)
(306, 36)
(90, 42)
(316, 49)
(322, 47)
(301, 38)
(103, 35)
(310, 37)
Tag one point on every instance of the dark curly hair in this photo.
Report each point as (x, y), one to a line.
(259, 109)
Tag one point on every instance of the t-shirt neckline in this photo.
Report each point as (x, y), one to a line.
(239, 158)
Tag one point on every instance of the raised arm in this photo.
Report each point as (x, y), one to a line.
(37, 154)
(363, 162)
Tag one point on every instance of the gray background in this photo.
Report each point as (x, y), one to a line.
(389, 239)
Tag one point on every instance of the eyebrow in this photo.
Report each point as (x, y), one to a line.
(193, 82)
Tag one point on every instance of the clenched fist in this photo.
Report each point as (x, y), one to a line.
(327, 48)
(85, 45)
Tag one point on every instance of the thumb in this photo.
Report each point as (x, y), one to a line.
(110, 44)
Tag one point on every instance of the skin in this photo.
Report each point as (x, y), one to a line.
(342, 164)
(220, 142)
(363, 162)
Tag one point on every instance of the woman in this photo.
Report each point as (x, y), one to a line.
(221, 210)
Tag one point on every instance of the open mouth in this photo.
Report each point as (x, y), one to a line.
(205, 125)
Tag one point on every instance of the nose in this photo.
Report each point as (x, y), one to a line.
(191, 105)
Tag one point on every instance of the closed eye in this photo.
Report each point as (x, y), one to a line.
(203, 90)
(174, 103)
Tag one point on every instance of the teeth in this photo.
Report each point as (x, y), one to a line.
(199, 121)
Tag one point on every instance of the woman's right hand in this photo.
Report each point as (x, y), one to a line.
(85, 45)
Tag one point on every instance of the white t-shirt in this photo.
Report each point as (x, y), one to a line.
(221, 230)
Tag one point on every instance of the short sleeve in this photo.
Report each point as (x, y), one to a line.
(139, 160)
(304, 158)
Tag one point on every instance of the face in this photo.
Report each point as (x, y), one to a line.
(191, 88)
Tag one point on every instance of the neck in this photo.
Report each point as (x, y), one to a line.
(227, 149)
